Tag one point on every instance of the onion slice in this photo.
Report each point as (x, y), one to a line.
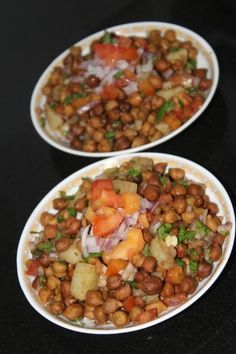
(84, 235)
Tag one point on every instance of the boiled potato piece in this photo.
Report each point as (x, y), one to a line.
(72, 254)
(124, 186)
(180, 54)
(54, 120)
(84, 279)
(162, 253)
(163, 128)
(168, 94)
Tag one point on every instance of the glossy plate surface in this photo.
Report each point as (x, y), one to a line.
(215, 190)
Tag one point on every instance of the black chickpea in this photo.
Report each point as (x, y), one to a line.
(99, 314)
(123, 292)
(119, 318)
(94, 298)
(113, 281)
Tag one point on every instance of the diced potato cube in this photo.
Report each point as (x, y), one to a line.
(84, 279)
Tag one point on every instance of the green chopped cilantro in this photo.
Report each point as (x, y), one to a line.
(53, 105)
(133, 172)
(185, 235)
(42, 121)
(192, 252)
(164, 230)
(118, 74)
(116, 123)
(193, 265)
(173, 49)
(107, 38)
(181, 103)
(183, 182)
(146, 250)
(46, 247)
(132, 283)
(179, 262)
(166, 107)
(201, 228)
(93, 255)
(59, 235)
(42, 281)
(67, 197)
(72, 211)
(192, 91)
(110, 135)
(191, 64)
(36, 232)
(164, 180)
(60, 218)
(68, 99)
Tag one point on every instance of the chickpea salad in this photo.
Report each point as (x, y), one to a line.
(127, 92)
(126, 246)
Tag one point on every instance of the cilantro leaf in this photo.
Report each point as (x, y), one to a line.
(72, 211)
(93, 255)
(60, 218)
(116, 123)
(42, 121)
(118, 74)
(107, 38)
(132, 283)
(110, 135)
(179, 262)
(201, 228)
(185, 235)
(164, 180)
(183, 182)
(67, 197)
(42, 281)
(146, 250)
(191, 64)
(164, 230)
(166, 107)
(193, 265)
(46, 247)
(133, 172)
(53, 105)
(173, 49)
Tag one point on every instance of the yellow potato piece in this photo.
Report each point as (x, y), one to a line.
(84, 279)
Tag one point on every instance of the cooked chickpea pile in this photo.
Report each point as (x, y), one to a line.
(175, 241)
(129, 91)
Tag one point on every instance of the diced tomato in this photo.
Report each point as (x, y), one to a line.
(111, 199)
(32, 267)
(111, 53)
(110, 92)
(115, 266)
(100, 185)
(103, 225)
(131, 202)
(129, 303)
(147, 88)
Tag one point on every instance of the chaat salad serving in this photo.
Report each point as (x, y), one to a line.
(126, 246)
(125, 93)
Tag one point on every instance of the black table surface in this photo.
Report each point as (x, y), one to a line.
(32, 34)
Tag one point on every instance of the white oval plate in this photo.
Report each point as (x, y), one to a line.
(216, 192)
(206, 58)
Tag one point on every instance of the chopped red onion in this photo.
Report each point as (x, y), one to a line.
(132, 219)
(92, 244)
(224, 228)
(76, 79)
(87, 107)
(167, 74)
(155, 205)
(196, 81)
(154, 226)
(203, 216)
(145, 204)
(79, 215)
(84, 235)
(131, 88)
